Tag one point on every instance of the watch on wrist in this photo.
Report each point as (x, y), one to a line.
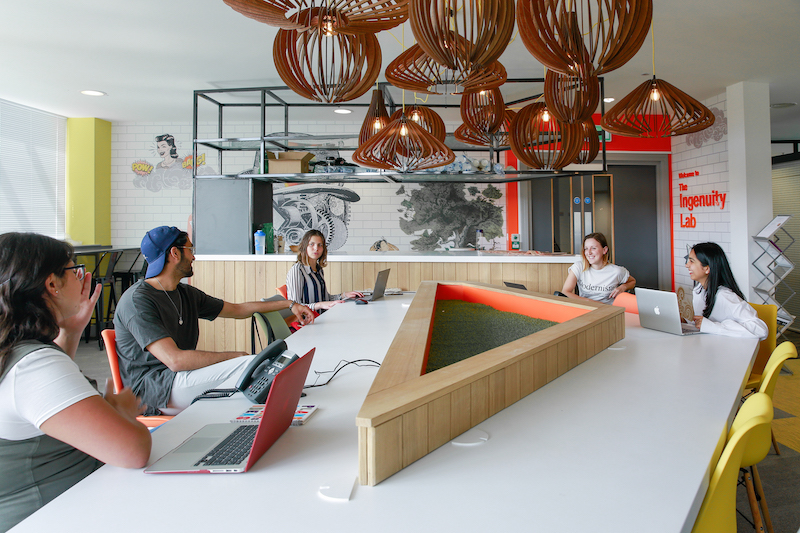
(291, 304)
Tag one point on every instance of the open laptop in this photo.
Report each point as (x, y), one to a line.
(659, 310)
(193, 455)
(380, 287)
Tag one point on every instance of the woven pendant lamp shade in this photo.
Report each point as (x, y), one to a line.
(414, 70)
(543, 144)
(272, 12)
(483, 111)
(571, 99)
(425, 117)
(583, 37)
(327, 67)
(403, 135)
(467, 135)
(590, 142)
(657, 109)
(340, 16)
(377, 117)
(485, 26)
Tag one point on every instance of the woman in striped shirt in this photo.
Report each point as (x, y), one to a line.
(305, 282)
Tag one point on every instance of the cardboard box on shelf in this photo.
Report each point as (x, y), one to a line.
(290, 163)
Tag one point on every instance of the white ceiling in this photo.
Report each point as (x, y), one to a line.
(149, 55)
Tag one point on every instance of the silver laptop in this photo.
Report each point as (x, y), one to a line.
(659, 310)
(380, 287)
(232, 448)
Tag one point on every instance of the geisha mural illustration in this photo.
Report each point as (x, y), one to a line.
(172, 172)
(300, 208)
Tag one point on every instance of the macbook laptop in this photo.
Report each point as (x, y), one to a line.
(232, 447)
(659, 310)
(380, 287)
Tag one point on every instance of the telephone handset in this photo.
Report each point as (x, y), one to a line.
(256, 379)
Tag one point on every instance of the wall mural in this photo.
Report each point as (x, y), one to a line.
(716, 132)
(449, 214)
(172, 172)
(300, 208)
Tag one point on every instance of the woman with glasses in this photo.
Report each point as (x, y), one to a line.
(55, 428)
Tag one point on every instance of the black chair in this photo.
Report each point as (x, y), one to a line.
(101, 318)
(129, 277)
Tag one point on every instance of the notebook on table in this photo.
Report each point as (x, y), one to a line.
(231, 447)
(659, 310)
(380, 287)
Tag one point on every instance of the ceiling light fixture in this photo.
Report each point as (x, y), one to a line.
(608, 100)
(783, 105)
(342, 111)
(94, 93)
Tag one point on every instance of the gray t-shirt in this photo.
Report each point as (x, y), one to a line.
(144, 315)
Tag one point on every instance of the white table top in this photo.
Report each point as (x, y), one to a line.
(620, 443)
(408, 257)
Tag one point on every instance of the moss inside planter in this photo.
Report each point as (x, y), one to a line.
(463, 329)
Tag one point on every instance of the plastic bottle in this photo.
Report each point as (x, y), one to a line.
(269, 238)
(478, 237)
(259, 242)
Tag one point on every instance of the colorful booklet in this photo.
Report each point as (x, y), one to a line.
(254, 413)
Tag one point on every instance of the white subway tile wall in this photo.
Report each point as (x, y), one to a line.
(700, 174)
(142, 200)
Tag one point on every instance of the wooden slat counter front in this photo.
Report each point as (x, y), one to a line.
(243, 278)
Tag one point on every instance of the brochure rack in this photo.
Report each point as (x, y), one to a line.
(774, 266)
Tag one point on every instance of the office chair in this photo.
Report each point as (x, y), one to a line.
(110, 340)
(758, 404)
(785, 351)
(282, 291)
(769, 314)
(718, 511)
(273, 326)
(628, 301)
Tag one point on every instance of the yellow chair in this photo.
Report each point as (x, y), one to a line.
(758, 404)
(769, 314)
(718, 512)
(785, 351)
(110, 340)
(628, 301)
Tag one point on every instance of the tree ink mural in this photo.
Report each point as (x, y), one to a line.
(448, 215)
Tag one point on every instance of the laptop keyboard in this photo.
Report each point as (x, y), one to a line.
(233, 449)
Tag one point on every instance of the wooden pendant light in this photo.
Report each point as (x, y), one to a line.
(426, 117)
(377, 117)
(467, 135)
(571, 99)
(657, 109)
(483, 111)
(340, 16)
(414, 70)
(541, 141)
(485, 26)
(583, 37)
(327, 67)
(422, 150)
(590, 142)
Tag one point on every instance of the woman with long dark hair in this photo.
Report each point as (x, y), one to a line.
(719, 305)
(305, 282)
(55, 428)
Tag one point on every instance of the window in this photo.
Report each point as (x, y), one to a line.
(32, 170)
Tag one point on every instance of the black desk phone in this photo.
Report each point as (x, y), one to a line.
(256, 379)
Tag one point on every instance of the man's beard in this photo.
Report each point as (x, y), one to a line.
(185, 268)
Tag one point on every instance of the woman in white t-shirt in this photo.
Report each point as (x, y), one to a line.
(55, 428)
(719, 305)
(595, 277)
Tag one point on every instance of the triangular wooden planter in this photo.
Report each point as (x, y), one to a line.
(408, 414)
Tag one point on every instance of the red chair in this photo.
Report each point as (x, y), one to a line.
(110, 340)
(628, 301)
(282, 290)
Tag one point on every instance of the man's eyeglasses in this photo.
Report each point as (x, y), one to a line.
(80, 271)
(190, 248)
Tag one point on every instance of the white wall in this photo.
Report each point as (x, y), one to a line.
(704, 155)
(136, 208)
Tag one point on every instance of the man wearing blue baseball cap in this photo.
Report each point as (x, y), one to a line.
(157, 328)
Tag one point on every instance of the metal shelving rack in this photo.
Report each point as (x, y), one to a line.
(774, 266)
(269, 99)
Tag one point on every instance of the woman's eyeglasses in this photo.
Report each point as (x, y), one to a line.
(80, 271)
